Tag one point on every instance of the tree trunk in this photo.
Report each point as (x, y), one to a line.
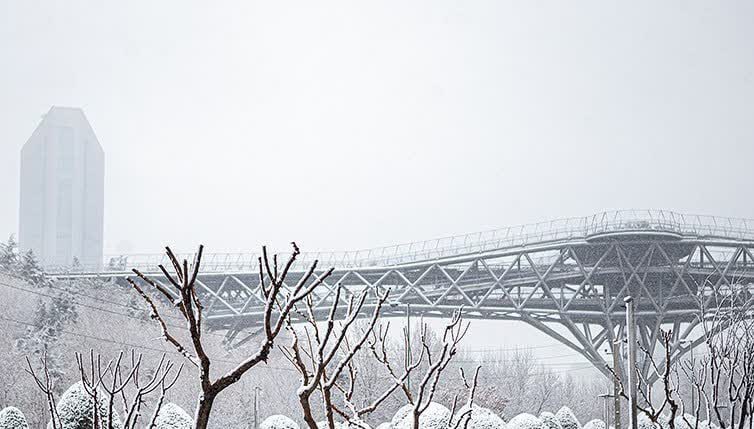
(307, 409)
(203, 409)
(330, 417)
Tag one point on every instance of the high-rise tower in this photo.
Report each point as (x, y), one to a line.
(62, 190)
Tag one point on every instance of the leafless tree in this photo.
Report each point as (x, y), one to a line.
(421, 396)
(462, 420)
(46, 385)
(667, 373)
(182, 293)
(105, 384)
(321, 354)
(110, 382)
(724, 377)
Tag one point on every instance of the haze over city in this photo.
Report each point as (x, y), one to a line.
(352, 126)
(345, 126)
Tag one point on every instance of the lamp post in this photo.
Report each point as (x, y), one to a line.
(632, 376)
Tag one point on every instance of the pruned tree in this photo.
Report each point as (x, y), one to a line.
(377, 347)
(181, 292)
(420, 397)
(116, 381)
(321, 354)
(461, 421)
(46, 384)
(111, 383)
(724, 377)
(667, 373)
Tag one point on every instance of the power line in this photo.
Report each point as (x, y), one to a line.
(123, 343)
(104, 310)
(512, 349)
(513, 359)
(220, 335)
(131, 307)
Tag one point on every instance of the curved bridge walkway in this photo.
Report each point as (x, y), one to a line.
(567, 278)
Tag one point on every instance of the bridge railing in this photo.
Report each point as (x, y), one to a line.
(479, 242)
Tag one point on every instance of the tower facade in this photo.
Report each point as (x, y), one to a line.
(62, 191)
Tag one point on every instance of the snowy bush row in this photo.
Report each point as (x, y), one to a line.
(686, 421)
(437, 416)
(76, 411)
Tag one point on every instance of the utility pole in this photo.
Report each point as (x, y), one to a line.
(409, 355)
(256, 406)
(616, 346)
(632, 376)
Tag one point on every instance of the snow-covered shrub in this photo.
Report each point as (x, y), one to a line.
(595, 424)
(525, 421)
(171, 416)
(353, 424)
(644, 422)
(688, 421)
(12, 418)
(664, 421)
(567, 419)
(76, 409)
(436, 416)
(279, 421)
(480, 418)
(550, 421)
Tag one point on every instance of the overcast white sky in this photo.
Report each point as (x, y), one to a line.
(351, 124)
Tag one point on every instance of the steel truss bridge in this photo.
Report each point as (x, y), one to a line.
(567, 278)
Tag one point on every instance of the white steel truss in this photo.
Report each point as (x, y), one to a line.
(571, 288)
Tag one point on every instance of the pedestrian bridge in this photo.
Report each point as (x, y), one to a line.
(567, 277)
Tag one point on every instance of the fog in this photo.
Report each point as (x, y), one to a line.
(344, 125)
(348, 126)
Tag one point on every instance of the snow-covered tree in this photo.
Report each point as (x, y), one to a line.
(171, 416)
(30, 270)
(567, 419)
(279, 301)
(595, 424)
(12, 418)
(9, 255)
(436, 416)
(76, 409)
(550, 420)
(42, 338)
(525, 421)
(479, 418)
(278, 421)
